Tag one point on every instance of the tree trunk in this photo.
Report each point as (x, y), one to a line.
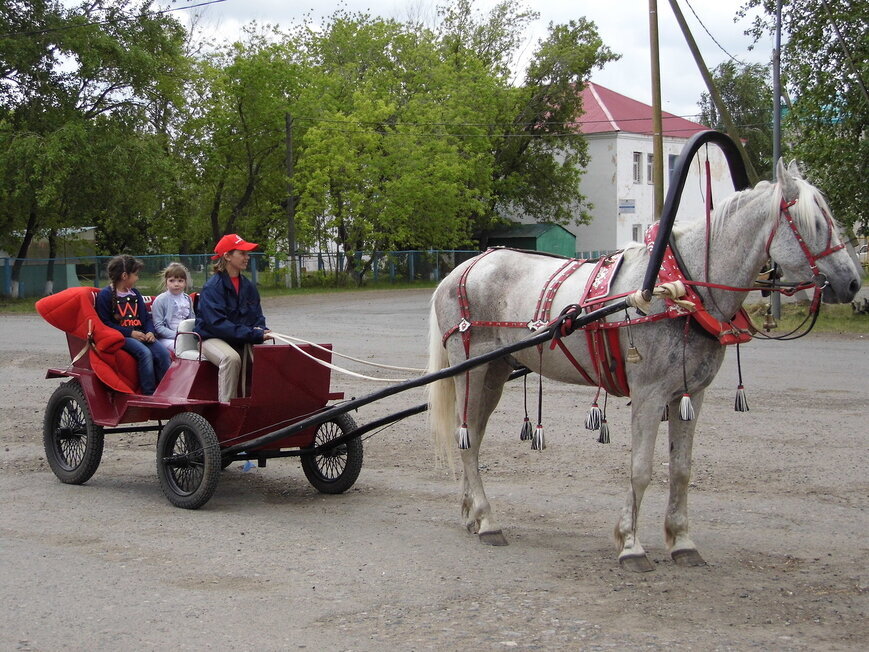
(52, 254)
(216, 232)
(29, 232)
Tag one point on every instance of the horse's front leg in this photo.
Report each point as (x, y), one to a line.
(682, 548)
(645, 420)
(485, 387)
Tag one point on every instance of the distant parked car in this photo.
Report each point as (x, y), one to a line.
(863, 254)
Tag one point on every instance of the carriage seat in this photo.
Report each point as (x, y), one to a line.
(188, 344)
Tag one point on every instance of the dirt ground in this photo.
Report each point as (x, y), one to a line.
(778, 508)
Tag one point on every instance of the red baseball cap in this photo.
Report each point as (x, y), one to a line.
(230, 242)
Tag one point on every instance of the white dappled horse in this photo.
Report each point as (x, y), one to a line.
(504, 286)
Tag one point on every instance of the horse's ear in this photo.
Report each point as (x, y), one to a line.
(787, 180)
(794, 169)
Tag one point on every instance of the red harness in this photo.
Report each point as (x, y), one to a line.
(603, 344)
(736, 330)
(603, 338)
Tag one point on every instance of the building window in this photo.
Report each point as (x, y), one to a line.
(671, 165)
(638, 167)
(637, 233)
(650, 174)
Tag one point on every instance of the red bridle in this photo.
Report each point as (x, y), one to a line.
(811, 258)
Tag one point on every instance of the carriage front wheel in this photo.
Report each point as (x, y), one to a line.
(334, 471)
(73, 443)
(188, 460)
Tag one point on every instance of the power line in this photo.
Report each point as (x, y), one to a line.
(721, 47)
(577, 123)
(120, 19)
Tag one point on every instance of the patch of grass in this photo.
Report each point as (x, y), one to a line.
(10, 306)
(833, 318)
(25, 306)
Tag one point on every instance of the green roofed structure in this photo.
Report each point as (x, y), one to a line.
(549, 238)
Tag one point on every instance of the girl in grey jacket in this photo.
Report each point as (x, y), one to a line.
(172, 306)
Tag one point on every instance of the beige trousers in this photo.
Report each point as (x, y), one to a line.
(228, 363)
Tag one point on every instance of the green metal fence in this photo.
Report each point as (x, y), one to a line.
(312, 269)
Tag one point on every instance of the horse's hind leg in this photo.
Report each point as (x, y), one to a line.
(485, 387)
(645, 420)
(682, 548)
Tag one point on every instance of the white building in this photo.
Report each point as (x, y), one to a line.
(618, 182)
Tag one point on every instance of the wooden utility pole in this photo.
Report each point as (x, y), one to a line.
(775, 299)
(713, 92)
(657, 122)
(291, 205)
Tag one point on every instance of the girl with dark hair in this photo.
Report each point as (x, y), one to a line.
(121, 306)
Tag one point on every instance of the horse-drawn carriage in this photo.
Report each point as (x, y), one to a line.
(198, 435)
(680, 296)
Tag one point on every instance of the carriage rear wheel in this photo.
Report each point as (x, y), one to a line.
(73, 443)
(188, 460)
(334, 471)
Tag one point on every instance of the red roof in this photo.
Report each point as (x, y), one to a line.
(607, 111)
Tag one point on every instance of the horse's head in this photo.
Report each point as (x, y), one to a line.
(805, 241)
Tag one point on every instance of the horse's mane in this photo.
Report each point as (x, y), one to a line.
(805, 212)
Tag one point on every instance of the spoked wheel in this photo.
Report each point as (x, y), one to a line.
(73, 443)
(334, 471)
(188, 460)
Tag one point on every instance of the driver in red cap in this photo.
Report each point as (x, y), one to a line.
(229, 315)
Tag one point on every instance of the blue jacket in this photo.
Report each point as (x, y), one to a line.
(107, 313)
(235, 318)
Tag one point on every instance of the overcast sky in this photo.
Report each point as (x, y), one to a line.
(623, 25)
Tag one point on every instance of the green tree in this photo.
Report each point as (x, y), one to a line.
(747, 93)
(539, 173)
(419, 139)
(388, 158)
(825, 70)
(78, 143)
(233, 138)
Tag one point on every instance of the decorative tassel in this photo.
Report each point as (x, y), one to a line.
(769, 322)
(741, 403)
(665, 413)
(686, 409)
(633, 353)
(538, 442)
(464, 440)
(604, 433)
(525, 434)
(593, 417)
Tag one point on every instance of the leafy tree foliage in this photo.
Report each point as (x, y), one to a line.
(78, 144)
(402, 134)
(825, 68)
(747, 94)
(420, 139)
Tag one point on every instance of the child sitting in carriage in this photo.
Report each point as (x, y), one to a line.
(121, 306)
(173, 306)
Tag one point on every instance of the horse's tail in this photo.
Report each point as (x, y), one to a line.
(441, 393)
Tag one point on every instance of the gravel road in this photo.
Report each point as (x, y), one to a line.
(778, 508)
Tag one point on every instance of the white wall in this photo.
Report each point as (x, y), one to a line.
(609, 184)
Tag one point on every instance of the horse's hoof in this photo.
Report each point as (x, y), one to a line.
(636, 563)
(687, 557)
(495, 538)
